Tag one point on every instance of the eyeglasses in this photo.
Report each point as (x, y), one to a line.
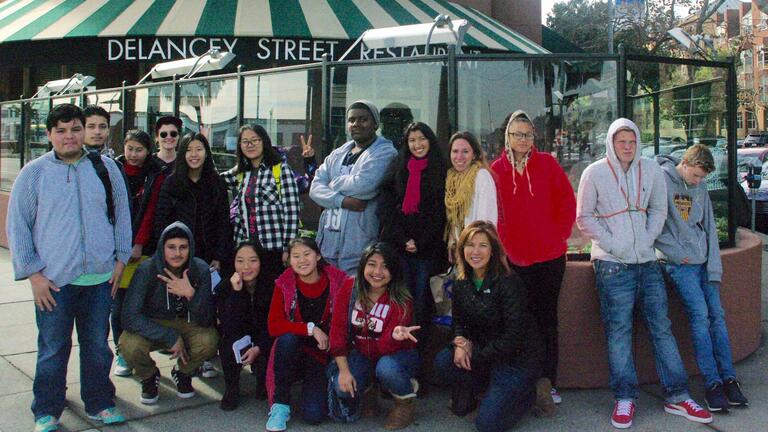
(251, 143)
(520, 136)
(173, 134)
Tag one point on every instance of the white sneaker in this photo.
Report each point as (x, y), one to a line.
(556, 398)
(207, 370)
(121, 367)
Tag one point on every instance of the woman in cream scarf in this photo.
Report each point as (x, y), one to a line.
(470, 192)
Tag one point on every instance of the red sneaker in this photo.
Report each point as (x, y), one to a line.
(623, 413)
(690, 410)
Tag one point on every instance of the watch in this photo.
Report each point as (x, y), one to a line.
(310, 328)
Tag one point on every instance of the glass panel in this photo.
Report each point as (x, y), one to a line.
(571, 102)
(111, 102)
(36, 136)
(677, 106)
(149, 104)
(403, 93)
(288, 105)
(210, 107)
(10, 147)
(67, 99)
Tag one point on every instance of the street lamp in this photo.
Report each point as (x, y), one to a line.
(441, 30)
(211, 61)
(691, 43)
(75, 83)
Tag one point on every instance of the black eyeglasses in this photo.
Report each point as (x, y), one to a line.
(174, 134)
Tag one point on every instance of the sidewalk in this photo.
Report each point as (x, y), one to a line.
(582, 410)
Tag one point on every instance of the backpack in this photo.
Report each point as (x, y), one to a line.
(103, 173)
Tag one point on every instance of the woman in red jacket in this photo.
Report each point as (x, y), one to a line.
(300, 320)
(538, 208)
(373, 338)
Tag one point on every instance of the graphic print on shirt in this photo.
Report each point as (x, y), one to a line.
(375, 320)
(683, 203)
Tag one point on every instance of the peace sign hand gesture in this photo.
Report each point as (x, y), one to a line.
(307, 150)
(401, 333)
(178, 286)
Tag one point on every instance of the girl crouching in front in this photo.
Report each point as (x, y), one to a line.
(372, 340)
(300, 320)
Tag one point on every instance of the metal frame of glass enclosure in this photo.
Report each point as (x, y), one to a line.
(572, 98)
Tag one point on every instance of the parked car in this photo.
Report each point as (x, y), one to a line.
(755, 156)
(756, 140)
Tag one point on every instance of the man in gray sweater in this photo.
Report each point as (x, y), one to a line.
(72, 246)
(621, 207)
(691, 249)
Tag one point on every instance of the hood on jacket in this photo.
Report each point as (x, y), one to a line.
(610, 152)
(668, 165)
(510, 156)
(160, 252)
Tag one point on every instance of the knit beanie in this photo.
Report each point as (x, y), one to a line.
(366, 105)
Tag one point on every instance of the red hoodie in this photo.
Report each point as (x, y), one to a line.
(537, 208)
(371, 331)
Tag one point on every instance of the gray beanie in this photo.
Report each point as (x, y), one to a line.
(367, 105)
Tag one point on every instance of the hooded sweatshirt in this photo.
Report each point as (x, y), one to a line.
(537, 208)
(147, 297)
(622, 212)
(690, 229)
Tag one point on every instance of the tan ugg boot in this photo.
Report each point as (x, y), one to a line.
(370, 402)
(402, 413)
(545, 406)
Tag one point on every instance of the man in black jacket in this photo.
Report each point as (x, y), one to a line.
(168, 305)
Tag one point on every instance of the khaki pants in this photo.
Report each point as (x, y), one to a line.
(200, 342)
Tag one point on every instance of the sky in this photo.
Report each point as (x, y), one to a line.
(546, 7)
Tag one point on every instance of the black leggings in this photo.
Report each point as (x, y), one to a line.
(543, 281)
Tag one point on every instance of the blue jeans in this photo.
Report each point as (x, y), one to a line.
(701, 300)
(393, 371)
(621, 287)
(87, 307)
(416, 271)
(510, 390)
(293, 363)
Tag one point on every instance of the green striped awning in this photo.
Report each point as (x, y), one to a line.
(24, 20)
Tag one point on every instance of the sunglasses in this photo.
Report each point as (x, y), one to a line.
(173, 134)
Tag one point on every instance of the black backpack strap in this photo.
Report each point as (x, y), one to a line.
(103, 173)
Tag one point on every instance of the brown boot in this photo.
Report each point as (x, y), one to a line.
(545, 406)
(401, 415)
(370, 402)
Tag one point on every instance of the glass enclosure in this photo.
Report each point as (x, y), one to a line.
(571, 99)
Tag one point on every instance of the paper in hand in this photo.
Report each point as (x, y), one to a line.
(240, 346)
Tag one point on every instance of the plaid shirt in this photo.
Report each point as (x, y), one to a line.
(276, 212)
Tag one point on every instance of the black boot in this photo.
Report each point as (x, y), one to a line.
(231, 398)
(462, 401)
(259, 369)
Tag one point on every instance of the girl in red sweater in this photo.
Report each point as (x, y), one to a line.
(538, 208)
(300, 320)
(373, 338)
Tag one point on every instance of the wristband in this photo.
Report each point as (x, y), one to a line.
(310, 328)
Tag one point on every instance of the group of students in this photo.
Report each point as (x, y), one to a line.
(216, 265)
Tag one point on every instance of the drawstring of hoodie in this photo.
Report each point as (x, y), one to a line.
(624, 193)
(525, 174)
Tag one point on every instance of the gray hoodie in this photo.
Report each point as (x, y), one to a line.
(690, 229)
(147, 296)
(622, 213)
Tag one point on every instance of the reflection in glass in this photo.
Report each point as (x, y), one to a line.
(10, 147)
(210, 107)
(403, 93)
(677, 106)
(149, 104)
(36, 136)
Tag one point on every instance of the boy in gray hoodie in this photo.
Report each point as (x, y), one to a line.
(621, 207)
(689, 245)
(168, 305)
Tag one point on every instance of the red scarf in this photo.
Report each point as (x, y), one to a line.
(413, 188)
